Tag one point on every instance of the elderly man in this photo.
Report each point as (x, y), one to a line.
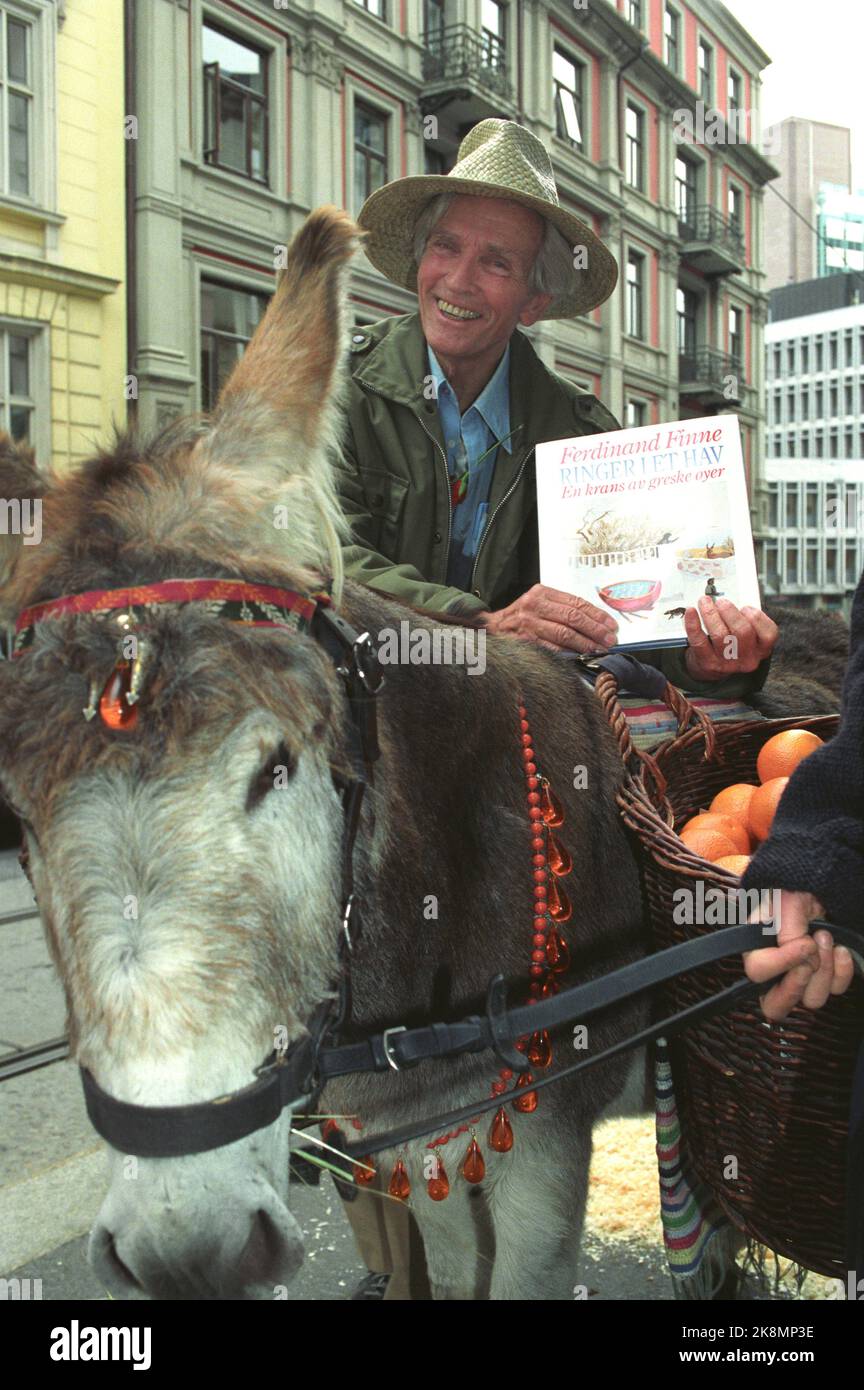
(437, 470)
(447, 404)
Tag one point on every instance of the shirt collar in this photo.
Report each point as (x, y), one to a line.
(493, 403)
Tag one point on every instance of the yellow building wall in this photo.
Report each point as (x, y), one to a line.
(87, 325)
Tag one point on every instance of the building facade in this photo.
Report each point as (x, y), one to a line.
(809, 154)
(810, 549)
(250, 114)
(62, 225)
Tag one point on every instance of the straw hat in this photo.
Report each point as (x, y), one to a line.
(497, 159)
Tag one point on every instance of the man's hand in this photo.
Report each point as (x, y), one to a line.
(736, 640)
(555, 620)
(812, 966)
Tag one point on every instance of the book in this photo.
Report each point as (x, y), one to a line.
(643, 522)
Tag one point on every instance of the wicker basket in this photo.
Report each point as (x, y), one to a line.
(774, 1097)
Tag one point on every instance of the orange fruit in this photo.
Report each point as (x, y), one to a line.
(734, 801)
(735, 863)
(726, 825)
(780, 756)
(764, 805)
(706, 842)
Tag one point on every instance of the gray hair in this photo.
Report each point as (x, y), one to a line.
(552, 270)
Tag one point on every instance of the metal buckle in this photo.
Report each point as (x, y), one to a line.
(386, 1045)
(366, 663)
(346, 921)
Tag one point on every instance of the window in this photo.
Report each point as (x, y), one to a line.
(805, 444)
(734, 91)
(847, 397)
(635, 153)
(375, 7)
(16, 104)
(735, 208)
(671, 38)
(833, 443)
(17, 404)
(773, 505)
(634, 13)
(831, 562)
(805, 402)
(790, 358)
(790, 444)
(820, 401)
(776, 361)
(736, 342)
(820, 442)
(687, 306)
(568, 79)
(811, 564)
(705, 64)
(849, 443)
(848, 348)
(686, 174)
(235, 105)
(433, 20)
(635, 294)
(493, 29)
(833, 398)
(819, 355)
(790, 406)
(832, 352)
(637, 414)
(772, 571)
(791, 507)
(812, 504)
(805, 357)
(370, 152)
(853, 572)
(229, 317)
(792, 562)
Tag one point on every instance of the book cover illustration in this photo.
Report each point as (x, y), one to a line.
(644, 522)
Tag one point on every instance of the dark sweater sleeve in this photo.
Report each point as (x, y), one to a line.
(816, 843)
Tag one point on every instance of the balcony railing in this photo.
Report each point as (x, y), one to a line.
(710, 374)
(458, 54)
(714, 242)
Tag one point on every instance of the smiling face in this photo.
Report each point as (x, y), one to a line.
(478, 262)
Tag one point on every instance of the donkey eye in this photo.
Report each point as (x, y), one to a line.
(276, 772)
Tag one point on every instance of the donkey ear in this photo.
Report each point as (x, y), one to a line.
(22, 488)
(291, 363)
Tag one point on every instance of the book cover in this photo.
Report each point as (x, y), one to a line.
(643, 522)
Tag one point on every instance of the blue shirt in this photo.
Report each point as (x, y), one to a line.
(467, 437)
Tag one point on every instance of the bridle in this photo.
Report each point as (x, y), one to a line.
(294, 1076)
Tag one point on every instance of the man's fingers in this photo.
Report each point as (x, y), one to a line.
(562, 638)
(819, 985)
(713, 619)
(780, 1000)
(844, 970)
(570, 617)
(770, 961)
(765, 628)
(693, 628)
(571, 602)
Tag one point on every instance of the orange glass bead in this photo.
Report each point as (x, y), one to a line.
(113, 709)
(557, 903)
(540, 1049)
(560, 859)
(365, 1175)
(557, 953)
(527, 1103)
(553, 811)
(501, 1133)
(400, 1186)
(473, 1167)
(438, 1186)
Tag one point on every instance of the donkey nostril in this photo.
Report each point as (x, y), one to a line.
(264, 1252)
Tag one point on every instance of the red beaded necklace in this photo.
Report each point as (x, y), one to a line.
(550, 957)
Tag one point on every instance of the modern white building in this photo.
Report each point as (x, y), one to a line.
(810, 546)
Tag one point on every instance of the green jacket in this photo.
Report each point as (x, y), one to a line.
(393, 482)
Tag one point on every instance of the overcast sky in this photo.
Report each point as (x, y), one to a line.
(817, 67)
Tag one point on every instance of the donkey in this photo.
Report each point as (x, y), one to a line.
(187, 864)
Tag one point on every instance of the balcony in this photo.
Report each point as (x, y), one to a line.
(713, 377)
(712, 243)
(467, 71)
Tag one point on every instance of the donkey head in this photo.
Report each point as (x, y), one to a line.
(187, 865)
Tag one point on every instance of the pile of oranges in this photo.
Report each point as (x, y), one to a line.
(740, 816)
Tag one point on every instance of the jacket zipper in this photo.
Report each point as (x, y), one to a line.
(431, 436)
(507, 494)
